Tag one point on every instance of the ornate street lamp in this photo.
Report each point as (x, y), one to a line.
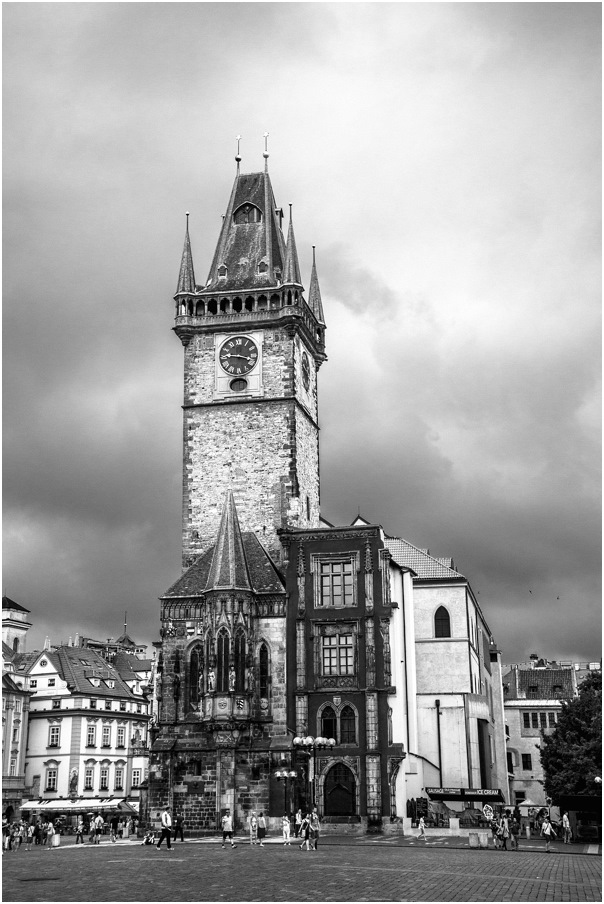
(311, 745)
(282, 775)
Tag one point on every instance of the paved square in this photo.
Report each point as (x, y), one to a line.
(348, 871)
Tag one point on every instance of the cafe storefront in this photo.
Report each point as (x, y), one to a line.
(478, 805)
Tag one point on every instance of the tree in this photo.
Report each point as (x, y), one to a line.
(571, 755)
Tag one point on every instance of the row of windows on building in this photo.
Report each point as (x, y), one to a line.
(538, 720)
(52, 778)
(54, 736)
(107, 705)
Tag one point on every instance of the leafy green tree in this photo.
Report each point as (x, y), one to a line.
(571, 755)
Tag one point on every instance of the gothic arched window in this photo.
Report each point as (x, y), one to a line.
(264, 672)
(240, 662)
(328, 723)
(348, 726)
(442, 623)
(222, 661)
(195, 676)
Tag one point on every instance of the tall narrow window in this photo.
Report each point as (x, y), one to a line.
(136, 778)
(51, 779)
(54, 734)
(328, 723)
(222, 654)
(348, 731)
(104, 786)
(88, 778)
(91, 736)
(121, 736)
(119, 778)
(442, 623)
(264, 671)
(240, 662)
(195, 677)
(106, 736)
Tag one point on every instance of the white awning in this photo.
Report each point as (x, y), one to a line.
(88, 805)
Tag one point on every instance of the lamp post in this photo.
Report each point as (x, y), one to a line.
(285, 776)
(310, 746)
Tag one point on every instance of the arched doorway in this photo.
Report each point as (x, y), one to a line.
(340, 791)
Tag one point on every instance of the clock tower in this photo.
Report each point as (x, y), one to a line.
(253, 344)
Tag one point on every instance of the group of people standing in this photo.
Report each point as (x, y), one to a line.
(504, 829)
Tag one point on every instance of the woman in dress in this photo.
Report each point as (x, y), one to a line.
(253, 829)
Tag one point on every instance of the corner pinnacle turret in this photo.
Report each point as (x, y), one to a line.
(186, 276)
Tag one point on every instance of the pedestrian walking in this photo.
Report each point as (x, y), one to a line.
(166, 829)
(547, 830)
(514, 833)
(566, 828)
(297, 823)
(253, 829)
(305, 832)
(261, 829)
(315, 828)
(80, 831)
(98, 823)
(422, 829)
(114, 825)
(504, 830)
(285, 825)
(50, 834)
(179, 825)
(30, 837)
(227, 828)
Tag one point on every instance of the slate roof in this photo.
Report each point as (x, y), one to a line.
(425, 566)
(7, 603)
(186, 276)
(228, 570)
(242, 247)
(314, 293)
(263, 574)
(129, 666)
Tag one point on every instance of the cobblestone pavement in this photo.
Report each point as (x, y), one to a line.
(354, 870)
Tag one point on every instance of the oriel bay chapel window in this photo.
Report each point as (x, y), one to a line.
(222, 660)
(336, 654)
(195, 676)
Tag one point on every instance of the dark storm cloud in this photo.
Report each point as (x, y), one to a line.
(449, 184)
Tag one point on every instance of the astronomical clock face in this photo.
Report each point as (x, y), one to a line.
(305, 371)
(238, 355)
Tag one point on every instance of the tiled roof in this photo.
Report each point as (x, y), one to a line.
(539, 684)
(77, 666)
(10, 604)
(424, 565)
(129, 666)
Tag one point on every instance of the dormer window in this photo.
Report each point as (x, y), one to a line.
(262, 267)
(95, 682)
(247, 213)
(222, 272)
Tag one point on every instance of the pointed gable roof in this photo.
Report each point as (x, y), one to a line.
(7, 603)
(186, 277)
(314, 293)
(228, 570)
(291, 273)
(251, 251)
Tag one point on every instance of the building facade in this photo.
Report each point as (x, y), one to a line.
(356, 664)
(87, 739)
(533, 698)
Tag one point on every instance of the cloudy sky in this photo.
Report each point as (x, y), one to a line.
(444, 159)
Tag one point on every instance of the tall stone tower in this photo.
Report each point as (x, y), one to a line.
(253, 345)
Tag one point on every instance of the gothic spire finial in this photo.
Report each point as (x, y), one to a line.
(238, 156)
(186, 276)
(265, 155)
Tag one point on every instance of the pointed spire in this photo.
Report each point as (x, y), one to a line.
(265, 155)
(291, 272)
(238, 155)
(228, 570)
(186, 277)
(314, 293)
